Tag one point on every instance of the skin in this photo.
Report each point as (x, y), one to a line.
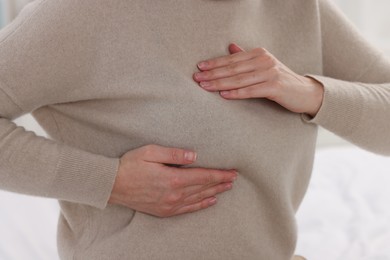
(146, 183)
(258, 74)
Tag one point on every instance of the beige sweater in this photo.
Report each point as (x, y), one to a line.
(104, 77)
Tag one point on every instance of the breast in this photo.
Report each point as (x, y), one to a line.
(251, 135)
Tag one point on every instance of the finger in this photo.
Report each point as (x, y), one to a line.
(233, 48)
(185, 177)
(196, 206)
(257, 63)
(191, 190)
(161, 154)
(229, 59)
(236, 81)
(205, 193)
(262, 90)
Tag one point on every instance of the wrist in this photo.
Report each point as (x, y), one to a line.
(116, 195)
(315, 96)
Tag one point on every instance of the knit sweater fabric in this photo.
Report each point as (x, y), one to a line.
(106, 77)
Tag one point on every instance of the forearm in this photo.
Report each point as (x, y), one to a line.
(357, 112)
(356, 82)
(38, 166)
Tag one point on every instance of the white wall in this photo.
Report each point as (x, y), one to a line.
(372, 18)
(10, 8)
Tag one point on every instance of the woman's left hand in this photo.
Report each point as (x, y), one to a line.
(258, 74)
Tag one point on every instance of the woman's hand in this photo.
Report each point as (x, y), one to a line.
(258, 74)
(145, 183)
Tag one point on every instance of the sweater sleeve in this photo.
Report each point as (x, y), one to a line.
(356, 80)
(34, 72)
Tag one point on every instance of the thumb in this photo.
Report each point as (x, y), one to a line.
(233, 48)
(168, 155)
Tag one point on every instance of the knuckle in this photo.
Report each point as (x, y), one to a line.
(271, 61)
(175, 182)
(239, 79)
(173, 198)
(211, 178)
(220, 188)
(176, 155)
(207, 179)
(241, 93)
(200, 196)
(259, 50)
(151, 147)
(266, 52)
(217, 84)
(253, 75)
(267, 61)
(230, 60)
(210, 74)
(274, 72)
(148, 149)
(195, 207)
(194, 198)
(259, 60)
(212, 63)
(248, 92)
(234, 93)
(232, 68)
(223, 177)
(204, 204)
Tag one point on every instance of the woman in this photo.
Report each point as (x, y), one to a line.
(116, 86)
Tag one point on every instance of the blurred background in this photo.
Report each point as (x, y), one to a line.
(345, 213)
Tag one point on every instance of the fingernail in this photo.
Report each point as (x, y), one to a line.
(228, 186)
(202, 65)
(205, 84)
(236, 175)
(198, 75)
(191, 156)
(213, 201)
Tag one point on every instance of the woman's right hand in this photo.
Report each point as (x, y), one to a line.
(144, 183)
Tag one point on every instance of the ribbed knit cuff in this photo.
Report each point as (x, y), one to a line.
(84, 177)
(341, 108)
